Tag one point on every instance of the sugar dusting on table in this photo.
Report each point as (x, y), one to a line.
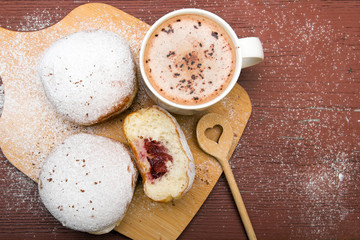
(323, 186)
(21, 188)
(38, 19)
(312, 178)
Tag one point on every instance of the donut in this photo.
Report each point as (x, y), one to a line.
(87, 182)
(89, 76)
(162, 154)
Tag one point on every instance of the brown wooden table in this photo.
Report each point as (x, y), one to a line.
(298, 161)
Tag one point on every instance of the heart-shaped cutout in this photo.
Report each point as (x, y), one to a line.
(214, 133)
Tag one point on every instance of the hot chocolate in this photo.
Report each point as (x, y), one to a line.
(189, 59)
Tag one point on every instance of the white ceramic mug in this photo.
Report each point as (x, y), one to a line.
(249, 52)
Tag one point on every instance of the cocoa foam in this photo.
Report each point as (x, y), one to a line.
(189, 59)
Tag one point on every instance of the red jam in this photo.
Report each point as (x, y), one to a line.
(157, 156)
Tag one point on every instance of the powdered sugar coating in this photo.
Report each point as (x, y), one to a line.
(89, 76)
(87, 182)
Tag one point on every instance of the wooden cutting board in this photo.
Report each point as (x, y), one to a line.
(29, 126)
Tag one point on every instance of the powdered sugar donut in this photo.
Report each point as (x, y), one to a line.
(87, 183)
(89, 76)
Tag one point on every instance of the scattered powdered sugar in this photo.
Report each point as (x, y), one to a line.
(341, 177)
(324, 186)
(38, 19)
(21, 188)
(2, 97)
(38, 127)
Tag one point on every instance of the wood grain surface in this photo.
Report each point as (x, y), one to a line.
(298, 161)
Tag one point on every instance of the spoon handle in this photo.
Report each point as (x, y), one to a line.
(238, 199)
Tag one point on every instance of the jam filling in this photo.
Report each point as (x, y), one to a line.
(157, 156)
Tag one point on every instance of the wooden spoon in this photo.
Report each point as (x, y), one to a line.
(220, 151)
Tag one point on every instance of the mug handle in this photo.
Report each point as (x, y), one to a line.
(251, 51)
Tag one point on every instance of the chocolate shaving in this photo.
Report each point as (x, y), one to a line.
(215, 35)
(169, 30)
(170, 54)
